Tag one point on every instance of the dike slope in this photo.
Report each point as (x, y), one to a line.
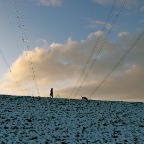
(31, 120)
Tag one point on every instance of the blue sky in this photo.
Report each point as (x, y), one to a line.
(62, 23)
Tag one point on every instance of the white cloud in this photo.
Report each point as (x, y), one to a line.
(60, 65)
(142, 8)
(102, 1)
(41, 42)
(96, 23)
(97, 34)
(50, 2)
(122, 34)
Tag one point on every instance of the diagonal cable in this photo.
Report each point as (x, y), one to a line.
(93, 50)
(8, 16)
(118, 63)
(102, 45)
(21, 23)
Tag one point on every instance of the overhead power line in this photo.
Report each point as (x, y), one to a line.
(21, 24)
(93, 50)
(118, 63)
(12, 29)
(8, 16)
(102, 44)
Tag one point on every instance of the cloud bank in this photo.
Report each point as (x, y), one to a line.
(59, 65)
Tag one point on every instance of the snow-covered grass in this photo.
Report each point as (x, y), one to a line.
(29, 120)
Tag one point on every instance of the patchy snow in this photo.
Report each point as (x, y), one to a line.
(61, 121)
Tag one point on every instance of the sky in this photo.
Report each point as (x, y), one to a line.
(48, 43)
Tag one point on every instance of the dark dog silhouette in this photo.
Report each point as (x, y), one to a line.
(85, 98)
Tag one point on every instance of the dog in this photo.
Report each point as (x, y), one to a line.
(85, 98)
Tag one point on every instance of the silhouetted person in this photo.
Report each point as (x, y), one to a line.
(85, 98)
(51, 93)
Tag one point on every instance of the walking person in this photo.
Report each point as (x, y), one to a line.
(51, 93)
